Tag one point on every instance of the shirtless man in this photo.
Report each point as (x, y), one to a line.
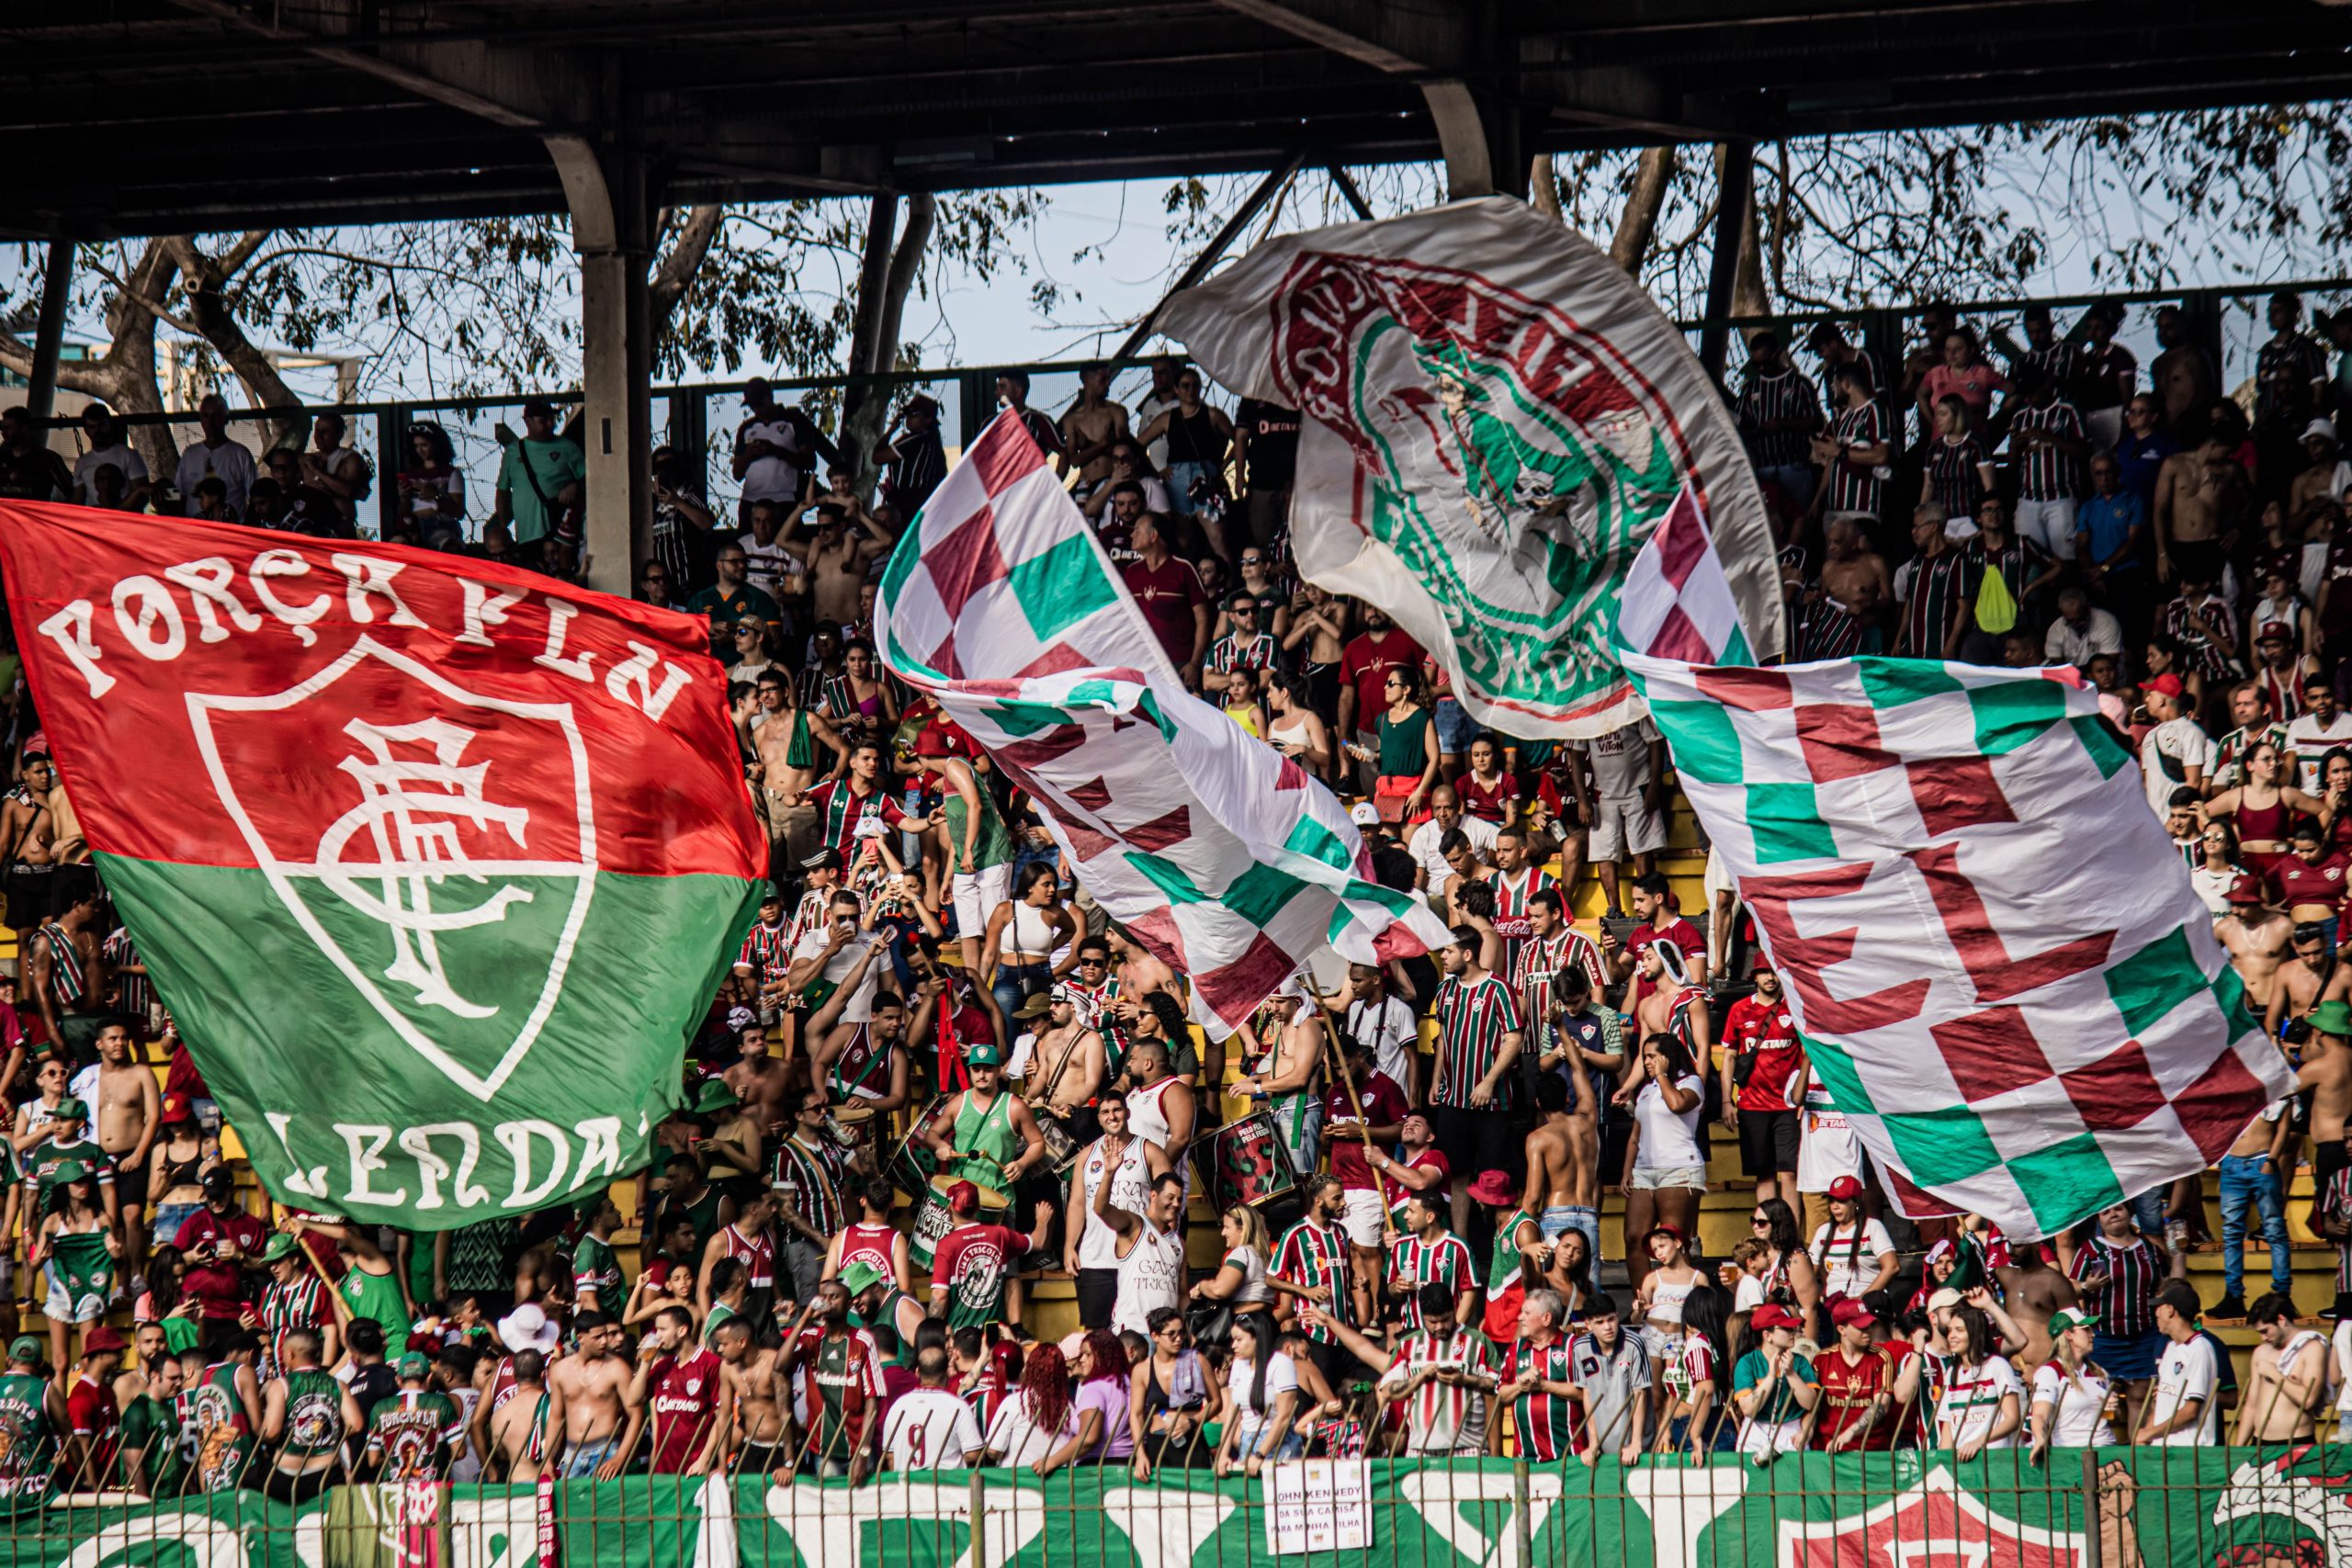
(1066, 1068)
(1564, 1159)
(1854, 579)
(2286, 1379)
(1139, 973)
(2034, 1291)
(2326, 1071)
(796, 748)
(586, 1392)
(749, 1373)
(27, 828)
(2198, 493)
(129, 1109)
(1668, 987)
(1286, 1076)
(1091, 426)
(758, 1079)
(2260, 942)
(524, 1436)
(837, 560)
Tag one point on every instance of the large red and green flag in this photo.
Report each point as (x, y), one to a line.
(1215, 851)
(2003, 978)
(1493, 418)
(435, 861)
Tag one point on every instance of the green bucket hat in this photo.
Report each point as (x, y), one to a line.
(2333, 1017)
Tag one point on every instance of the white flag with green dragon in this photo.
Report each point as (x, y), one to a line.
(1215, 851)
(1493, 418)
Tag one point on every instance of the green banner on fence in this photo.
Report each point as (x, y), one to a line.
(2155, 1508)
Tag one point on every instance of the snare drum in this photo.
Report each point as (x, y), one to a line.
(934, 1219)
(913, 1164)
(1062, 1148)
(1243, 1162)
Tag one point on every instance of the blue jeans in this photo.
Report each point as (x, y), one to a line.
(1455, 727)
(2243, 1177)
(1016, 981)
(2148, 1212)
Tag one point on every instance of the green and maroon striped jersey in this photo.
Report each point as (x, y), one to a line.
(1417, 1262)
(1472, 1021)
(1312, 1254)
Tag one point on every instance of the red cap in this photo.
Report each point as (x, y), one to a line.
(1494, 1187)
(1846, 1310)
(964, 1198)
(105, 1336)
(2168, 683)
(1658, 1230)
(176, 1109)
(2244, 889)
(1771, 1315)
(2274, 631)
(1846, 1189)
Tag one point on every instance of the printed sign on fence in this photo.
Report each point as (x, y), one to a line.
(1318, 1504)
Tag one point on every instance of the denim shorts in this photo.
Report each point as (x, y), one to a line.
(1647, 1180)
(1456, 728)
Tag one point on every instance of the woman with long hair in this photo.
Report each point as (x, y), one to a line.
(1038, 1425)
(1295, 729)
(1667, 1283)
(1240, 1277)
(81, 1250)
(1105, 1436)
(1979, 1403)
(2263, 808)
(1261, 1385)
(2073, 1399)
(1696, 1372)
(1023, 933)
(2217, 866)
(432, 488)
(2335, 797)
(1172, 1394)
(1960, 475)
(1571, 1270)
(859, 701)
(1664, 1171)
(1405, 759)
(1789, 1276)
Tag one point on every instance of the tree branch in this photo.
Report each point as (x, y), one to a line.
(675, 273)
(1638, 221)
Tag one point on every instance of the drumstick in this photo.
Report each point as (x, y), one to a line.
(1330, 1044)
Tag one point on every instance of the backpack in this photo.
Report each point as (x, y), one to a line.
(1996, 607)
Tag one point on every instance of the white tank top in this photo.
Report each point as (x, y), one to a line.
(1146, 1117)
(1667, 1298)
(1150, 1277)
(1025, 932)
(1098, 1244)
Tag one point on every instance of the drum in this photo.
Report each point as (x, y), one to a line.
(1243, 1162)
(913, 1164)
(1062, 1147)
(934, 1219)
(850, 1126)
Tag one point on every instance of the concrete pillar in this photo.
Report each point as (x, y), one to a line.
(49, 334)
(611, 220)
(1481, 136)
(1737, 187)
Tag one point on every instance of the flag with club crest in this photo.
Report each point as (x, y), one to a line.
(1216, 853)
(1991, 945)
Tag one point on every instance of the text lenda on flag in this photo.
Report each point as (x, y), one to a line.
(486, 826)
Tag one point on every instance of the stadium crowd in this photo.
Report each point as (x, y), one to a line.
(942, 1099)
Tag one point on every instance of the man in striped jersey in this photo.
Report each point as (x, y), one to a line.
(2058, 358)
(2046, 439)
(1248, 646)
(1934, 587)
(1518, 879)
(1429, 1255)
(766, 955)
(1778, 414)
(1859, 443)
(295, 1298)
(1478, 1040)
(807, 1176)
(1445, 1375)
(1312, 1261)
(841, 802)
(1540, 1380)
(2116, 1275)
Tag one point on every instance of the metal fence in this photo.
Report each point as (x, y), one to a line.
(2125, 1508)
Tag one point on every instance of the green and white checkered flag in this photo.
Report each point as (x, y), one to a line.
(1215, 852)
(1992, 946)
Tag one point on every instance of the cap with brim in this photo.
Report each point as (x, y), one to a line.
(1658, 1230)
(102, 1338)
(68, 1172)
(2071, 1317)
(25, 1350)
(70, 1109)
(176, 1109)
(826, 859)
(36, 745)
(2320, 430)
(2243, 889)
(2167, 684)
(415, 1365)
(859, 1278)
(280, 1246)
(1494, 1187)
(1771, 1315)
(1945, 1300)
(2274, 631)
(1845, 1311)
(1037, 1005)
(714, 1095)
(982, 1056)
(1364, 814)
(2332, 1017)
(218, 1179)
(1846, 1190)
